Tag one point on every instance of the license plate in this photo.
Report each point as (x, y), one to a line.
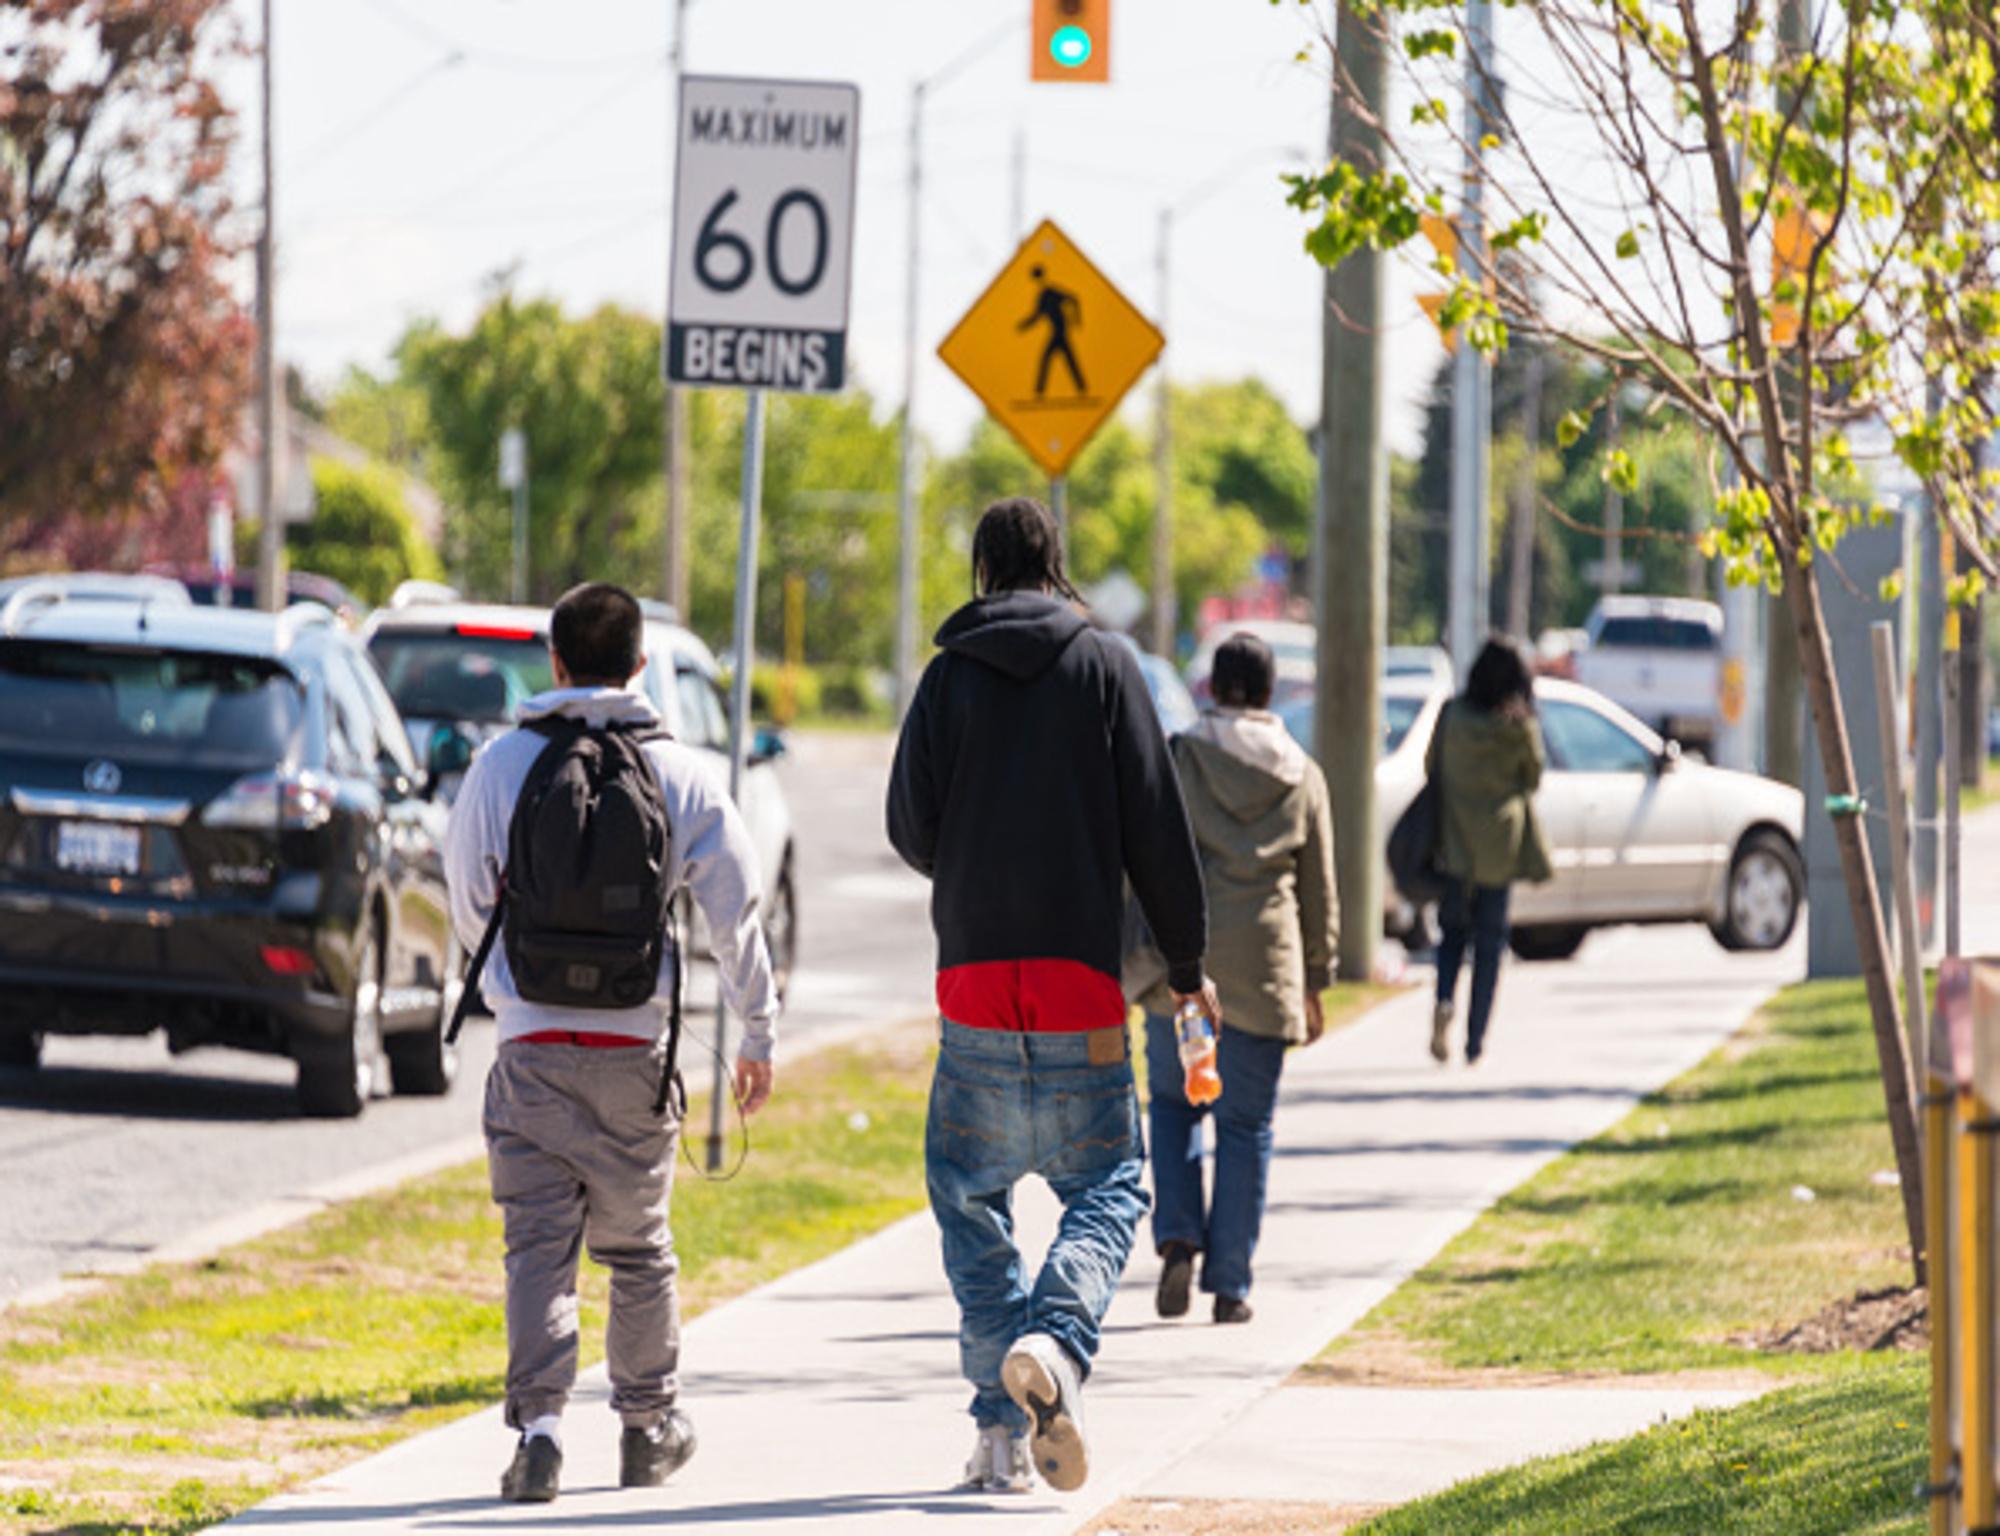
(97, 848)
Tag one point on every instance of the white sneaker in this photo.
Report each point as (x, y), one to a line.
(1040, 1376)
(1441, 1032)
(999, 1463)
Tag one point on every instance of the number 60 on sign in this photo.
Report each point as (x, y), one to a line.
(763, 233)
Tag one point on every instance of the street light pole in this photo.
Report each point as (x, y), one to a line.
(674, 552)
(906, 479)
(1472, 374)
(908, 595)
(1163, 458)
(270, 532)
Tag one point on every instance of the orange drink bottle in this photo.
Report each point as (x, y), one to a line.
(1195, 1031)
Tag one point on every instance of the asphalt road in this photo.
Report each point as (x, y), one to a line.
(115, 1149)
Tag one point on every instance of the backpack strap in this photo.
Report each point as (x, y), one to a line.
(672, 1087)
(478, 966)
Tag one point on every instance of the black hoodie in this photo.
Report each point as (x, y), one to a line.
(1031, 781)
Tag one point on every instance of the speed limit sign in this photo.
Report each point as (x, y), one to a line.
(763, 233)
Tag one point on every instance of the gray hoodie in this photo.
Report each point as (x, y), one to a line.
(711, 855)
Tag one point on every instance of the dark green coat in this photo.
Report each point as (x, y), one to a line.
(1488, 766)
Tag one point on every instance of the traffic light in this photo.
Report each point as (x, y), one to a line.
(1072, 42)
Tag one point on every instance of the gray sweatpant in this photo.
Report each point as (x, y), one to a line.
(578, 1155)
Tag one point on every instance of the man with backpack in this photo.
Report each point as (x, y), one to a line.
(1030, 783)
(568, 842)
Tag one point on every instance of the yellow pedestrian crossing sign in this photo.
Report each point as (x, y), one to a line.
(1051, 347)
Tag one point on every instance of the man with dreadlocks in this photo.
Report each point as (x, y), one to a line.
(1030, 783)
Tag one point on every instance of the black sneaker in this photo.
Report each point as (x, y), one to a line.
(535, 1474)
(1231, 1309)
(646, 1458)
(1176, 1274)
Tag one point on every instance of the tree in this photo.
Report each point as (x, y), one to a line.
(1669, 507)
(1866, 152)
(587, 395)
(362, 534)
(125, 355)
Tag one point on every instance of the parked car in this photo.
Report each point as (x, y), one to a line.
(1171, 701)
(99, 586)
(208, 590)
(1636, 832)
(1659, 658)
(467, 668)
(212, 824)
(1422, 661)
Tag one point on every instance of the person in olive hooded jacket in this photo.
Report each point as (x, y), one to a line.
(1487, 753)
(1264, 826)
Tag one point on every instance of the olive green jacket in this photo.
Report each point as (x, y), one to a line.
(1264, 826)
(1488, 766)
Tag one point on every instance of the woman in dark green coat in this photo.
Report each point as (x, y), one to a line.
(1486, 755)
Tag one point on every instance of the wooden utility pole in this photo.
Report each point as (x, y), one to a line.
(1352, 567)
(1527, 488)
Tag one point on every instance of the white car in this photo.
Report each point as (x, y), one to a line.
(472, 666)
(1636, 832)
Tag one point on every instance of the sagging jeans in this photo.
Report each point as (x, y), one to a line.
(1478, 913)
(1225, 1231)
(1005, 1105)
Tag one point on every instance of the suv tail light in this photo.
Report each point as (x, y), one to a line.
(290, 802)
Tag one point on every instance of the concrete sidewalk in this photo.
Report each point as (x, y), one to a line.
(830, 1399)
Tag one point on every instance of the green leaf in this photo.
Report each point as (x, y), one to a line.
(1628, 245)
(1570, 430)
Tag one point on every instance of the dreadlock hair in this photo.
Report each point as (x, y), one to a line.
(1017, 546)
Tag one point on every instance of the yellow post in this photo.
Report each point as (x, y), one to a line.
(1975, 1290)
(1943, 1483)
(795, 646)
(1951, 1020)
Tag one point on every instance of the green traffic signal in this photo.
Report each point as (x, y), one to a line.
(1070, 47)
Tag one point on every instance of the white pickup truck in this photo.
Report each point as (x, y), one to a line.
(1661, 659)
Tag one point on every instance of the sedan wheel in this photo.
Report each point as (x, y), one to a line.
(781, 932)
(20, 1050)
(422, 1061)
(1766, 889)
(337, 1080)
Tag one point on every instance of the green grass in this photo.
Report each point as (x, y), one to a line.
(1648, 1248)
(1834, 1458)
(172, 1399)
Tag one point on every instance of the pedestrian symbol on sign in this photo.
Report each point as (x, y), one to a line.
(1058, 309)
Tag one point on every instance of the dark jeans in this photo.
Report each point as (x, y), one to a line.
(1478, 913)
(1226, 1234)
(1005, 1105)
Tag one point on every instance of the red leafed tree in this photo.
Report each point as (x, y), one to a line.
(125, 358)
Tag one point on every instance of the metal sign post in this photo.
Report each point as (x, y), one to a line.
(759, 284)
(514, 477)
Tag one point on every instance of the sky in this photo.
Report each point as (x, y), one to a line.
(425, 145)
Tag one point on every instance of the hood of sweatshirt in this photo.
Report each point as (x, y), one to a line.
(593, 706)
(1019, 634)
(1247, 760)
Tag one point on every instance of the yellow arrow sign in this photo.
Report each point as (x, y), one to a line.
(1051, 347)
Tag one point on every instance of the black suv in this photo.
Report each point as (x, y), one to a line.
(212, 823)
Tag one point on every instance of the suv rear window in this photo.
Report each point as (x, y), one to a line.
(481, 678)
(152, 705)
(1656, 634)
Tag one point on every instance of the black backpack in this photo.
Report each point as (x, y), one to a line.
(583, 902)
(1415, 840)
